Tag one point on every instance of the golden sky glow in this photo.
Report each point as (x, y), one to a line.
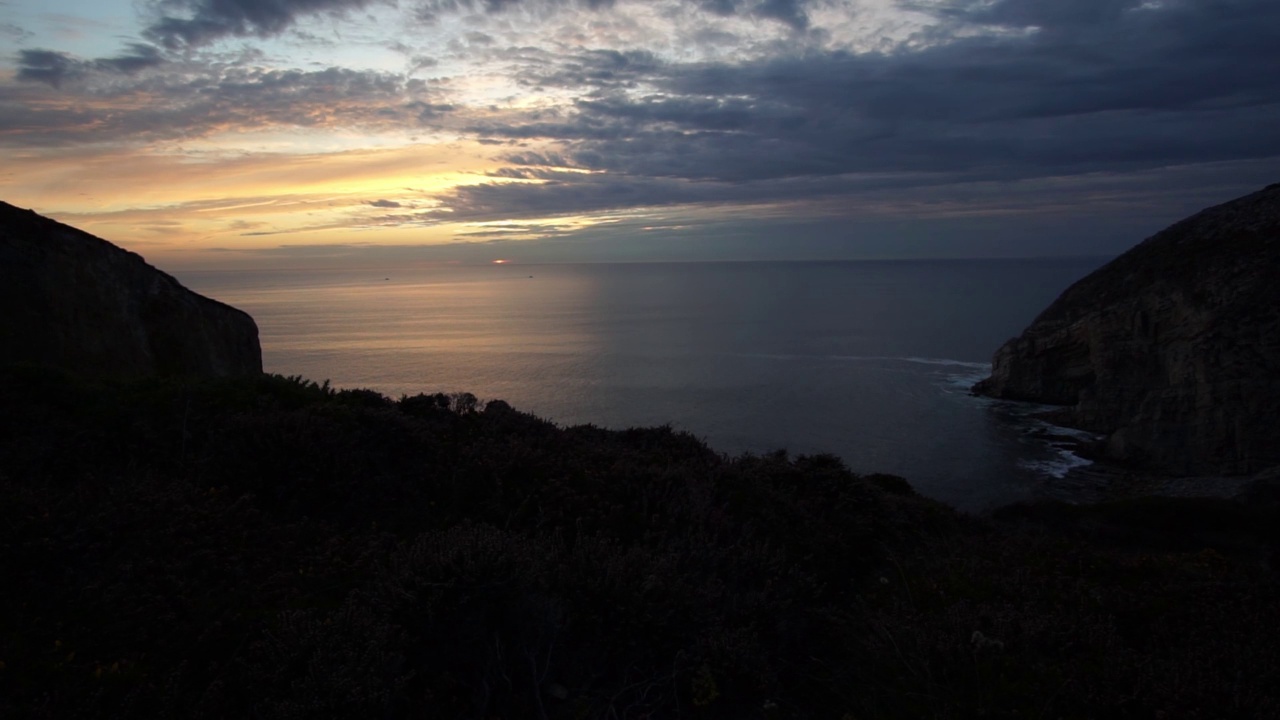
(217, 199)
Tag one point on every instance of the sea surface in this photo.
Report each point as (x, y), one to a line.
(871, 361)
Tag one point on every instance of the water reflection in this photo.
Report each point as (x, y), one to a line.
(870, 361)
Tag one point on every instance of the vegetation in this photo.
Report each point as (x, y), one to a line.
(269, 547)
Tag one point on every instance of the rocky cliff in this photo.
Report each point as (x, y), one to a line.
(1172, 350)
(74, 301)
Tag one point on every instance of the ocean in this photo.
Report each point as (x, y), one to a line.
(868, 360)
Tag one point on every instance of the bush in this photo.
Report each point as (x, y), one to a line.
(271, 547)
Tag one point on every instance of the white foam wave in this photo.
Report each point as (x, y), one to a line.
(944, 361)
(1058, 467)
(1062, 441)
(986, 367)
(1065, 432)
(965, 381)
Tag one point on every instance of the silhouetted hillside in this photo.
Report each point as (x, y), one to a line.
(77, 302)
(266, 547)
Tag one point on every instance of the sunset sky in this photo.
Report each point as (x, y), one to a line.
(245, 133)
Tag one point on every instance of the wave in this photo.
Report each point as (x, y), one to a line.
(871, 358)
(957, 377)
(1061, 441)
(1057, 467)
(964, 382)
(944, 361)
(1067, 432)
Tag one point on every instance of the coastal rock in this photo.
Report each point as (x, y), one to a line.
(1172, 350)
(74, 301)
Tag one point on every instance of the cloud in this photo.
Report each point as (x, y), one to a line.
(190, 23)
(181, 23)
(138, 57)
(195, 101)
(15, 33)
(47, 66)
(1099, 86)
(615, 108)
(422, 62)
(1047, 13)
(54, 68)
(431, 11)
(591, 69)
(788, 12)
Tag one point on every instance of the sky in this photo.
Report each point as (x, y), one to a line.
(306, 133)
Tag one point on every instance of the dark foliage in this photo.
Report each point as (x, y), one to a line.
(269, 547)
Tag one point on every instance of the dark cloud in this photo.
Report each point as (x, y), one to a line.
(1046, 13)
(939, 216)
(47, 66)
(384, 203)
(1102, 86)
(180, 23)
(138, 57)
(789, 12)
(187, 104)
(592, 69)
(432, 10)
(426, 111)
(570, 192)
(840, 133)
(54, 68)
(422, 62)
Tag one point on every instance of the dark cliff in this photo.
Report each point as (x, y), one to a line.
(74, 301)
(1172, 350)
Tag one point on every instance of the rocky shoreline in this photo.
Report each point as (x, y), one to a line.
(1169, 354)
(1104, 480)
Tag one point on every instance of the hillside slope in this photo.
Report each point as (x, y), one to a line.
(1172, 350)
(77, 302)
(264, 547)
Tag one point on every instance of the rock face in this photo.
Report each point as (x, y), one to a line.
(1172, 350)
(77, 302)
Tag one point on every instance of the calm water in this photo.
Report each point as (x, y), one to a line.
(867, 360)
